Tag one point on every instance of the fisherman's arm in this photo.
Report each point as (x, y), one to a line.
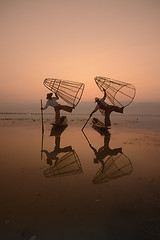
(104, 97)
(94, 150)
(46, 152)
(95, 110)
(56, 98)
(46, 106)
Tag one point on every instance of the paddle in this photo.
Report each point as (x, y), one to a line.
(86, 122)
(42, 128)
(42, 117)
(86, 138)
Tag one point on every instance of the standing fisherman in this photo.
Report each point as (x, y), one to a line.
(106, 108)
(57, 107)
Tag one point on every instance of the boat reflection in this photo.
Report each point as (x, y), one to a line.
(63, 161)
(114, 163)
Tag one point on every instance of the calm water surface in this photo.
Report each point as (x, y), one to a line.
(81, 186)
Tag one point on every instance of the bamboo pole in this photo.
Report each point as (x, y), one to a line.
(42, 129)
(42, 117)
(86, 122)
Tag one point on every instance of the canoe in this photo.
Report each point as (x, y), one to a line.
(99, 126)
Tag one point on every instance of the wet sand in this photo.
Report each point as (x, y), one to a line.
(78, 197)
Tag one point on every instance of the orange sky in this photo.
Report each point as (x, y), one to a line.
(78, 40)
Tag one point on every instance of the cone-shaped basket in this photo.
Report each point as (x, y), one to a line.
(68, 164)
(118, 93)
(115, 166)
(71, 92)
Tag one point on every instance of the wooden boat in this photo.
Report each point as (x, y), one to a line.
(63, 122)
(59, 128)
(99, 126)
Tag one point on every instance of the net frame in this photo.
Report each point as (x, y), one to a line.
(64, 170)
(113, 162)
(113, 88)
(70, 91)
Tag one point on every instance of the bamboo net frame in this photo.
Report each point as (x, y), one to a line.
(114, 167)
(71, 92)
(118, 93)
(68, 164)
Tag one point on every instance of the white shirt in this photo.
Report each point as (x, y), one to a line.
(51, 102)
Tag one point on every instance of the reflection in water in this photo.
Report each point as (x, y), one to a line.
(61, 164)
(99, 127)
(66, 165)
(114, 167)
(114, 163)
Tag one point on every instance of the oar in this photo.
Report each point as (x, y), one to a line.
(42, 145)
(86, 138)
(42, 117)
(86, 122)
(42, 129)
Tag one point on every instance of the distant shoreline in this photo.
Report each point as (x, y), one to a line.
(77, 114)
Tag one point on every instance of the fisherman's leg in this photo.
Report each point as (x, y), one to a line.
(107, 118)
(106, 140)
(115, 151)
(66, 149)
(57, 114)
(57, 141)
(117, 109)
(67, 108)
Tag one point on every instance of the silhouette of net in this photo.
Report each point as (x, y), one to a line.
(118, 93)
(114, 167)
(68, 164)
(71, 92)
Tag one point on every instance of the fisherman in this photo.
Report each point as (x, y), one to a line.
(106, 108)
(57, 107)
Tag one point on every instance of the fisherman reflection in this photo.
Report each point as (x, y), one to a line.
(57, 149)
(53, 156)
(115, 166)
(104, 151)
(62, 161)
(114, 163)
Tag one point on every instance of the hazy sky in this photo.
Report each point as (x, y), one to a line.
(78, 40)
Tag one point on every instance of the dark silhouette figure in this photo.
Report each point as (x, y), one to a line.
(106, 109)
(57, 149)
(114, 163)
(62, 161)
(51, 101)
(104, 151)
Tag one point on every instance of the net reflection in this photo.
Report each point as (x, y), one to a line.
(63, 161)
(114, 163)
(114, 167)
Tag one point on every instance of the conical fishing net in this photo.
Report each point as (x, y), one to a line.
(114, 167)
(68, 164)
(71, 92)
(118, 93)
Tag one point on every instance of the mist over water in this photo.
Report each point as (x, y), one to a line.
(150, 108)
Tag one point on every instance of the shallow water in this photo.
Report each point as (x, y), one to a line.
(100, 187)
